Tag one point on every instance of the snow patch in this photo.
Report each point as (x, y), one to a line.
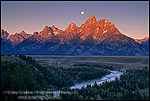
(110, 24)
(97, 30)
(106, 20)
(94, 37)
(72, 25)
(80, 30)
(104, 25)
(56, 32)
(104, 32)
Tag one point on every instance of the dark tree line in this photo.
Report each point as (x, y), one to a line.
(97, 66)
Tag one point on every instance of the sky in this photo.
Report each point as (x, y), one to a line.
(130, 17)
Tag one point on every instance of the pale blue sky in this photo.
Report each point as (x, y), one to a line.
(131, 18)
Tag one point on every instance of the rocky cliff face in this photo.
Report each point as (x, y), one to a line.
(91, 38)
(4, 34)
(18, 37)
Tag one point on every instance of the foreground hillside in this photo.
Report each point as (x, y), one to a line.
(21, 73)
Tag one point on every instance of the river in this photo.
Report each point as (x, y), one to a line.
(108, 77)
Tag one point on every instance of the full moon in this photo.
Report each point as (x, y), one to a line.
(82, 13)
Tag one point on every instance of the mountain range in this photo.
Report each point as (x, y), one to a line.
(91, 38)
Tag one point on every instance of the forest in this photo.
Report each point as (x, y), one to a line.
(125, 88)
(31, 76)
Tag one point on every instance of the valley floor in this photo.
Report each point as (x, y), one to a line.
(125, 62)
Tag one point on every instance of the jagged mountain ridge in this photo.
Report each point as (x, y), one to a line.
(92, 38)
(142, 40)
(16, 38)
